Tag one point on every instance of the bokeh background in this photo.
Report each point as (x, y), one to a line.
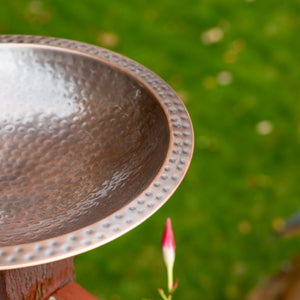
(236, 65)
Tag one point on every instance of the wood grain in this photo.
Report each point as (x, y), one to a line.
(36, 283)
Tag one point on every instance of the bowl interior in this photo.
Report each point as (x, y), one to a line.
(79, 139)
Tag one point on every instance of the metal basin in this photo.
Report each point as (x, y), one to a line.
(91, 144)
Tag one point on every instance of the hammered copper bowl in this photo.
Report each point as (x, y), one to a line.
(91, 144)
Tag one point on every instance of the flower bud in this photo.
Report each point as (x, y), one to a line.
(168, 247)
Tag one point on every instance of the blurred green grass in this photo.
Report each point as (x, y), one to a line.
(241, 183)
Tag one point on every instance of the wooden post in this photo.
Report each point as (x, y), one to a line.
(36, 283)
(72, 291)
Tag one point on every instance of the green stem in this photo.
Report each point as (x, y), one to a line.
(162, 294)
(170, 280)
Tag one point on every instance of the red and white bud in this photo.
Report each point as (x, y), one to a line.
(168, 247)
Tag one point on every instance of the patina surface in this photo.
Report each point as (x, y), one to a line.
(91, 144)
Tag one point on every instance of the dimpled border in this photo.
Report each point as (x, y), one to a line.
(168, 178)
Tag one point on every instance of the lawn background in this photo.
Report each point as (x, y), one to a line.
(241, 183)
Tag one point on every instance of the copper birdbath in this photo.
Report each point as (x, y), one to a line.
(91, 144)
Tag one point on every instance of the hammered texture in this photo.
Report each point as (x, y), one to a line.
(91, 144)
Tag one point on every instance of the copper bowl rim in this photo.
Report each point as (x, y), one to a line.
(166, 181)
